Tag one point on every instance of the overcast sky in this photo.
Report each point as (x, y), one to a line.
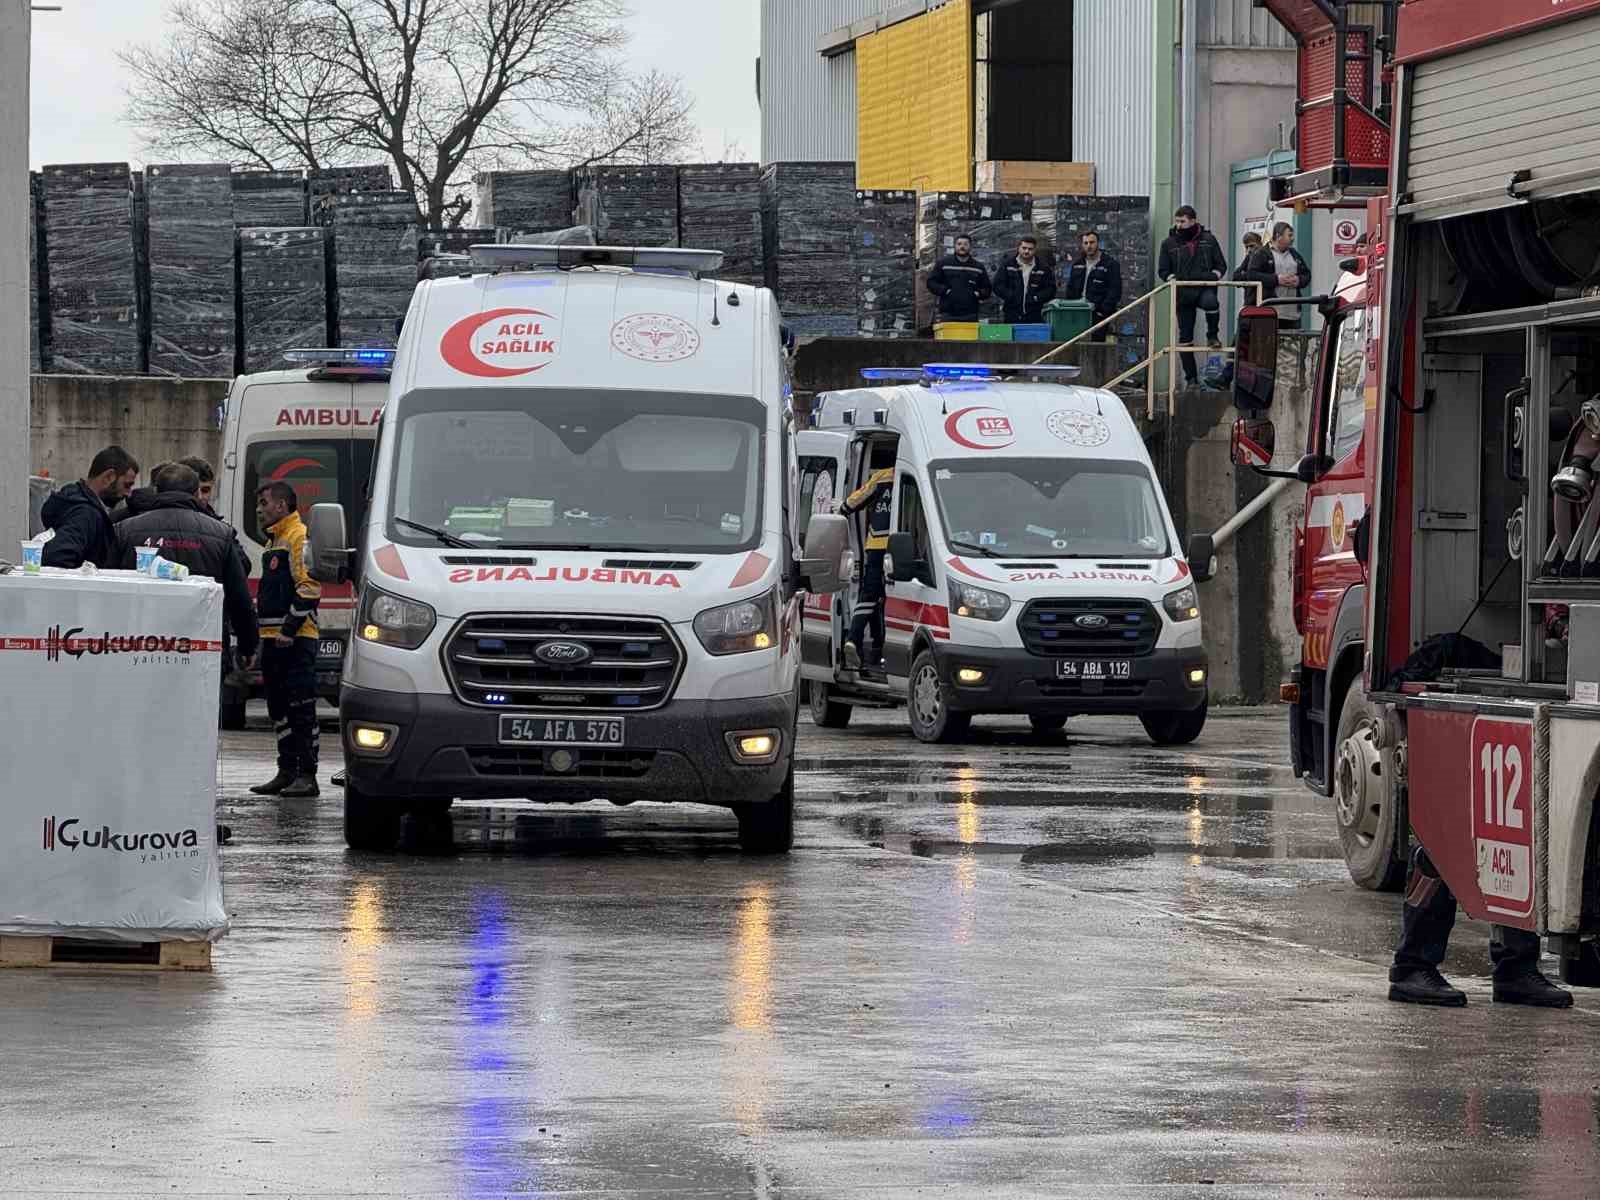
(79, 86)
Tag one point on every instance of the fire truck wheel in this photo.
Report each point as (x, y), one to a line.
(1175, 728)
(826, 712)
(370, 823)
(769, 828)
(931, 718)
(1364, 802)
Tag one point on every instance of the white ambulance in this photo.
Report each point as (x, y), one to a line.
(1032, 565)
(312, 425)
(579, 577)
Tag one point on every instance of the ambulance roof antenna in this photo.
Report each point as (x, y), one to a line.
(714, 321)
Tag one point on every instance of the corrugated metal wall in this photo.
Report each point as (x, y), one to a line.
(1111, 92)
(911, 135)
(808, 103)
(1239, 25)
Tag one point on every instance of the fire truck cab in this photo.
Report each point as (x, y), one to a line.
(1447, 569)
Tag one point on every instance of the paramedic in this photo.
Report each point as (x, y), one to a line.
(286, 605)
(875, 496)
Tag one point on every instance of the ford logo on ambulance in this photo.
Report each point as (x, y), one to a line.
(1091, 621)
(563, 654)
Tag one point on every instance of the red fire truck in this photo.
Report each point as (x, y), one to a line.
(1447, 569)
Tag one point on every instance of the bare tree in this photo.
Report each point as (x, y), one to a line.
(440, 88)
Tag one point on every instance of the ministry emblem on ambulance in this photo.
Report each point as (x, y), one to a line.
(655, 338)
(1078, 428)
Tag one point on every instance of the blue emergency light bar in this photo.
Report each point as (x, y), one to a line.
(342, 356)
(641, 258)
(930, 373)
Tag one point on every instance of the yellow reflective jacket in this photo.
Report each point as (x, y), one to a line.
(286, 599)
(880, 484)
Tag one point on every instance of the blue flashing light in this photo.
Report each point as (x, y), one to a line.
(958, 371)
(893, 374)
(361, 356)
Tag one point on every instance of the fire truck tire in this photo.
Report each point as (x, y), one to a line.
(826, 712)
(931, 718)
(1364, 802)
(370, 823)
(769, 828)
(1175, 728)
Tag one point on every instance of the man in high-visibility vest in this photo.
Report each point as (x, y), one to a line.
(875, 496)
(286, 605)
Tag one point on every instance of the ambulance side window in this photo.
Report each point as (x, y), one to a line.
(912, 518)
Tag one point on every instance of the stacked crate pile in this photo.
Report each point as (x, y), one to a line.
(451, 241)
(630, 206)
(38, 312)
(719, 208)
(373, 259)
(524, 201)
(282, 293)
(1123, 223)
(94, 322)
(994, 220)
(885, 248)
(334, 181)
(808, 216)
(190, 214)
(266, 199)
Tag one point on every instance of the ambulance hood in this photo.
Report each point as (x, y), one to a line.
(1028, 579)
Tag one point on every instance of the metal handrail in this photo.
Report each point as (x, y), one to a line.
(1149, 299)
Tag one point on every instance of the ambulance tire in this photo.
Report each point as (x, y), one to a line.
(1175, 728)
(931, 718)
(769, 828)
(1047, 726)
(826, 712)
(1363, 807)
(231, 717)
(370, 823)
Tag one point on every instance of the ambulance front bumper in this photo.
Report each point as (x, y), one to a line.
(989, 680)
(681, 752)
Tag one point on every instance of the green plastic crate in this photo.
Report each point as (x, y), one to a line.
(994, 332)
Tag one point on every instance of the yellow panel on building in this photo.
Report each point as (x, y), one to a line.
(914, 101)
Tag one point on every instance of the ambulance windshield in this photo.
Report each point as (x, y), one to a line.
(601, 470)
(1051, 507)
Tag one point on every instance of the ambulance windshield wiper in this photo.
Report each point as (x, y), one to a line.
(983, 550)
(449, 539)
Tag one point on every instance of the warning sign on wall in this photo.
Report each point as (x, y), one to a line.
(1345, 234)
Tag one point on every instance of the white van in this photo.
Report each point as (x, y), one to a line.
(579, 578)
(313, 426)
(1032, 566)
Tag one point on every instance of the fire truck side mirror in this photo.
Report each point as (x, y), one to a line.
(1254, 441)
(1255, 359)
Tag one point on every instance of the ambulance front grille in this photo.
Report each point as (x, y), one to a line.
(1073, 628)
(633, 663)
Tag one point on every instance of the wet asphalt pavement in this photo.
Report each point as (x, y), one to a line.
(1078, 967)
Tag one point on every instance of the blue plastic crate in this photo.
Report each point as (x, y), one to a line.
(1030, 333)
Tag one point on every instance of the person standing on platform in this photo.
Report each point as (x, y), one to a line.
(961, 283)
(1191, 255)
(1097, 278)
(1025, 285)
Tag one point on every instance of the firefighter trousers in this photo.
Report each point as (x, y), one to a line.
(1429, 915)
(289, 675)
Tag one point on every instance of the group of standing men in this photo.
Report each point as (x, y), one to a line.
(103, 519)
(1025, 283)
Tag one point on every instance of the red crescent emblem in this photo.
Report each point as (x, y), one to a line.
(952, 429)
(456, 345)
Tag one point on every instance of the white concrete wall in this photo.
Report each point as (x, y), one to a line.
(1245, 95)
(15, 21)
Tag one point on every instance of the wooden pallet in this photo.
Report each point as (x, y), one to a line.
(46, 951)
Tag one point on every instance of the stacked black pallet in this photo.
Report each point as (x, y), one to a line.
(332, 181)
(191, 274)
(630, 206)
(1123, 223)
(719, 208)
(451, 241)
(995, 221)
(93, 298)
(268, 199)
(282, 294)
(885, 248)
(37, 312)
(374, 261)
(808, 216)
(524, 201)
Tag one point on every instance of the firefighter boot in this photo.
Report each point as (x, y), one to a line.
(276, 784)
(1425, 923)
(1517, 979)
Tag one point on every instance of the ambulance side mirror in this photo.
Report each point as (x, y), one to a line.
(906, 566)
(330, 553)
(822, 568)
(1202, 557)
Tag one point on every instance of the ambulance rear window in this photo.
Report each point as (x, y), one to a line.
(320, 471)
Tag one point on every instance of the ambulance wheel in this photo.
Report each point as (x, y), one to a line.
(1044, 726)
(1175, 728)
(826, 712)
(370, 822)
(1364, 801)
(931, 718)
(231, 716)
(769, 828)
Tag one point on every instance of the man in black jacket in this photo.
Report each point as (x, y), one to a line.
(1024, 285)
(80, 513)
(1097, 278)
(1191, 254)
(179, 525)
(1280, 270)
(960, 283)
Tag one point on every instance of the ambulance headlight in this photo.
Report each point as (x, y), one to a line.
(1182, 605)
(394, 620)
(978, 603)
(739, 628)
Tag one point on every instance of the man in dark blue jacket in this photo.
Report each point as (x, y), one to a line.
(960, 283)
(1097, 278)
(80, 513)
(1024, 285)
(1191, 254)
